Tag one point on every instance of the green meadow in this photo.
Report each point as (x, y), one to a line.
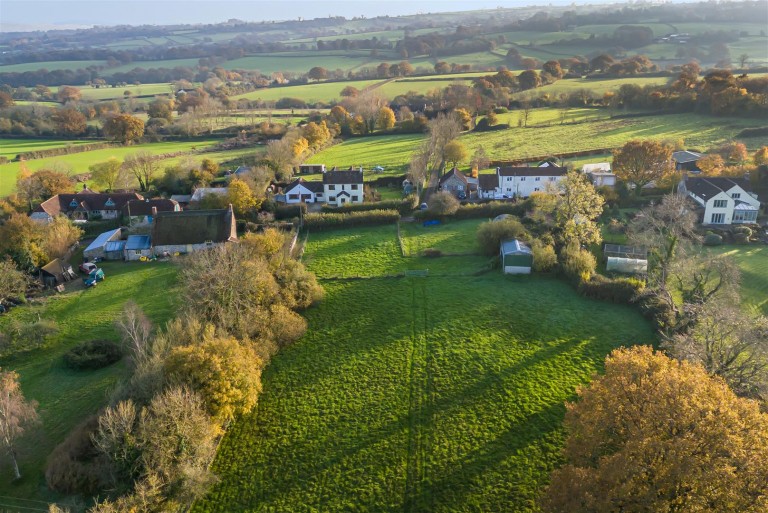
(442, 393)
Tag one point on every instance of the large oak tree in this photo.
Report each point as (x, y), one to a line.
(642, 162)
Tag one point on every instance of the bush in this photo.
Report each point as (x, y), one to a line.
(333, 221)
(290, 211)
(713, 239)
(741, 238)
(443, 204)
(432, 253)
(576, 263)
(486, 210)
(616, 290)
(492, 233)
(93, 354)
(76, 466)
(746, 230)
(544, 257)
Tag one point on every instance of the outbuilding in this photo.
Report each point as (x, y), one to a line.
(516, 257)
(625, 259)
(137, 246)
(56, 272)
(114, 250)
(97, 248)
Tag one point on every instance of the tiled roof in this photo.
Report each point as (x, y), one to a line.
(144, 207)
(488, 182)
(86, 200)
(314, 186)
(683, 156)
(706, 187)
(342, 177)
(453, 173)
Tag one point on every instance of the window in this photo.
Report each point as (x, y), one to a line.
(522, 178)
(736, 195)
(331, 198)
(552, 178)
(749, 216)
(718, 218)
(109, 203)
(459, 187)
(138, 252)
(73, 204)
(720, 203)
(354, 198)
(354, 186)
(538, 178)
(535, 189)
(209, 243)
(293, 196)
(331, 187)
(509, 189)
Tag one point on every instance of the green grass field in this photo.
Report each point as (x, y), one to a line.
(441, 394)
(753, 262)
(79, 162)
(391, 152)
(455, 237)
(12, 147)
(66, 397)
(311, 93)
(117, 93)
(49, 65)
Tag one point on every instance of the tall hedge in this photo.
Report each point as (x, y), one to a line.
(490, 209)
(404, 206)
(327, 221)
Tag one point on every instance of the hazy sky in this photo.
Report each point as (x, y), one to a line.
(36, 14)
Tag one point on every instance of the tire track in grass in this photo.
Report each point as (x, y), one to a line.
(418, 430)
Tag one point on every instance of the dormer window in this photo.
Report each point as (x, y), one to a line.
(109, 203)
(736, 195)
(73, 204)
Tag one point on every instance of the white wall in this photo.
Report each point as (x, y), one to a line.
(524, 186)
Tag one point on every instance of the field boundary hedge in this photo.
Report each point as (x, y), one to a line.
(326, 221)
(65, 150)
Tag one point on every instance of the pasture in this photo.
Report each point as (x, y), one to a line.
(66, 396)
(49, 65)
(442, 393)
(12, 147)
(79, 162)
(753, 262)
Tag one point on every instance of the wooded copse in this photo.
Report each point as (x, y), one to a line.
(152, 446)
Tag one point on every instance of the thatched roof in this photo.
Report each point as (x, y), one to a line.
(194, 227)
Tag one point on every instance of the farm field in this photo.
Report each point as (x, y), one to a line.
(66, 397)
(442, 393)
(314, 92)
(753, 262)
(12, 147)
(49, 65)
(453, 238)
(117, 93)
(79, 162)
(391, 152)
(598, 87)
(303, 61)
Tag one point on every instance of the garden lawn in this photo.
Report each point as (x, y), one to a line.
(441, 394)
(753, 262)
(454, 237)
(67, 397)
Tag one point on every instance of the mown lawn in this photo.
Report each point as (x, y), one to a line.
(455, 237)
(67, 397)
(392, 152)
(443, 393)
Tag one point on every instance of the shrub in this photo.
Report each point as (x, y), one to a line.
(486, 210)
(93, 354)
(576, 263)
(616, 290)
(432, 253)
(443, 203)
(544, 257)
(492, 233)
(332, 221)
(741, 238)
(76, 466)
(290, 211)
(713, 239)
(746, 230)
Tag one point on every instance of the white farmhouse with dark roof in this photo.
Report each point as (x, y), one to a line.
(340, 187)
(520, 182)
(724, 200)
(304, 191)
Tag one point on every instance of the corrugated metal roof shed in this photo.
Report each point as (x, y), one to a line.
(514, 247)
(115, 245)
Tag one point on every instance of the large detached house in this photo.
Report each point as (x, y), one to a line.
(724, 200)
(192, 230)
(520, 182)
(341, 187)
(85, 205)
(304, 191)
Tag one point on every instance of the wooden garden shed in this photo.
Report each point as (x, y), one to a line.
(516, 257)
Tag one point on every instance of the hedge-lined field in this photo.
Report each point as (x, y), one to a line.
(66, 397)
(441, 394)
(455, 237)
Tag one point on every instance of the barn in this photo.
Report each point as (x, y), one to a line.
(516, 257)
(625, 259)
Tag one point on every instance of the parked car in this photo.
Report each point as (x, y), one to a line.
(87, 267)
(94, 277)
(423, 206)
(461, 196)
(378, 169)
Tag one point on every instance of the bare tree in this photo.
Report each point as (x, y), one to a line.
(729, 343)
(136, 332)
(16, 415)
(442, 130)
(143, 166)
